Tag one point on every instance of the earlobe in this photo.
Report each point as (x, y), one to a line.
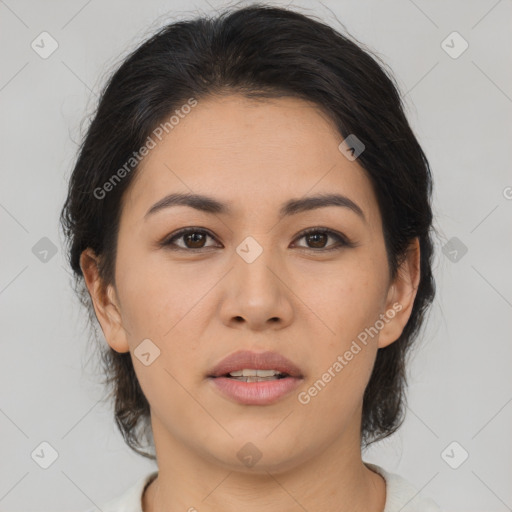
(401, 296)
(105, 303)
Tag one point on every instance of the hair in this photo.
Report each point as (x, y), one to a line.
(259, 51)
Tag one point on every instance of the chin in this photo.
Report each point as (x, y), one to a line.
(260, 454)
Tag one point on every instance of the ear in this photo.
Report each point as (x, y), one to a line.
(401, 295)
(105, 301)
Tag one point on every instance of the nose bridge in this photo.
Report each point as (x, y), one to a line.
(254, 283)
(254, 258)
(255, 295)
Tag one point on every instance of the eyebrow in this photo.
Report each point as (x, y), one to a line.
(293, 206)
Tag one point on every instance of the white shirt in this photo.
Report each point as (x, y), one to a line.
(401, 496)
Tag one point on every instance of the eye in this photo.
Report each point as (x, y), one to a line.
(318, 237)
(193, 238)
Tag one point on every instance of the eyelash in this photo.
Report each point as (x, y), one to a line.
(341, 239)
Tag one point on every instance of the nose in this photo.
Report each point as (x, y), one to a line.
(255, 293)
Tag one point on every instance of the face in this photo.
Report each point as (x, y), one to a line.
(246, 278)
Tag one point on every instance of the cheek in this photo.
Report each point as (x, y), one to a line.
(156, 296)
(343, 361)
(349, 303)
(334, 394)
(163, 304)
(347, 300)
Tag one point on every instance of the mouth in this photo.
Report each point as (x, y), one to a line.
(261, 365)
(253, 375)
(253, 378)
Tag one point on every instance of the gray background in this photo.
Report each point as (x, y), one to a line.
(460, 108)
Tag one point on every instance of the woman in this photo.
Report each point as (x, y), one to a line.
(249, 221)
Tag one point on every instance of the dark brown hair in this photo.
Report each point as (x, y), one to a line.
(259, 51)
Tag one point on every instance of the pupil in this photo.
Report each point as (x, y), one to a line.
(316, 235)
(195, 237)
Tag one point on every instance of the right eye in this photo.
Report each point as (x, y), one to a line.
(193, 240)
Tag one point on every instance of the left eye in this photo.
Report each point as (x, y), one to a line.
(319, 236)
(195, 238)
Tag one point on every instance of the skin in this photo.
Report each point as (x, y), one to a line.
(295, 298)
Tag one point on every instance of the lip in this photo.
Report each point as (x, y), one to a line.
(245, 359)
(255, 393)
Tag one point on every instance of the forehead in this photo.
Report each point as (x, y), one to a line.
(254, 155)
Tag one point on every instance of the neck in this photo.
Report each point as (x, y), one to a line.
(334, 480)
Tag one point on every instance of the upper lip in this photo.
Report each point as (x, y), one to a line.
(245, 359)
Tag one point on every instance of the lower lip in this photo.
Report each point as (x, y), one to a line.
(256, 393)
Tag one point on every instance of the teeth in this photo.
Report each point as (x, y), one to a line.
(256, 379)
(254, 373)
